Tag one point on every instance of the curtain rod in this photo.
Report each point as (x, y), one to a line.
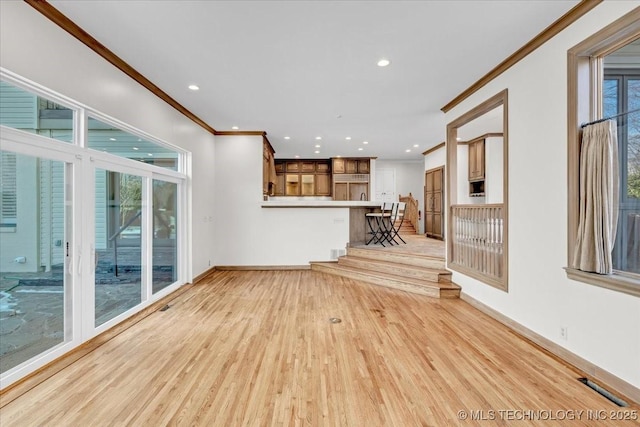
(609, 118)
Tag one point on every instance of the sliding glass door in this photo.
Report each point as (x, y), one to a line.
(36, 247)
(118, 270)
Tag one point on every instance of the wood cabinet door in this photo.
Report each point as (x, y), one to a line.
(293, 167)
(308, 187)
(323, 185)
(358, 191)
(476, 160)
(351, 166)
(341, 191)
(338, 166)
(279, 185)
(292, 185)
(363, 166)
(308, 167)
(279, 167)
(322, 167)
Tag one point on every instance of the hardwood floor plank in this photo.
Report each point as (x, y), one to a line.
(257, 348)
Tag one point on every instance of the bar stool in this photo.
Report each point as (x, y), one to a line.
(395, 227)
(377, 222)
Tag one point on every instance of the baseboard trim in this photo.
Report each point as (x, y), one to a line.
(627, 391)
(17, 389)
(261, 267)
(204, 275)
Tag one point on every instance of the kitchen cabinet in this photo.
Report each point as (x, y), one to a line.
(341, 191)
(303, 177)
(363, 166)
(351, 166)
(338, 166)
(476, 160)
(323, 185)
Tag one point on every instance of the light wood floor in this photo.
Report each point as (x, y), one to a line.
(416, 244)
(257, 349)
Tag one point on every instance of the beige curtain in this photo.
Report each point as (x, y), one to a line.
(598, 198)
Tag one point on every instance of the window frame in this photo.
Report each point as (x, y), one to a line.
(585, 73)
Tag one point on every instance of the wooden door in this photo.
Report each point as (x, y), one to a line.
(433, 198)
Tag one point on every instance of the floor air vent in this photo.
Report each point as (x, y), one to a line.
(165, 308)
(602, 391)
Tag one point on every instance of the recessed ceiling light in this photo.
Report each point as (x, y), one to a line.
(407, 150)
(365, 142)
(112, 139)
(318, 138)
(235, 127)
(348, 138)
(317, 145)
(297, 156)
(194, 87)
(136, 148)
(287, 137)
(338, 155)
(458, 139)
(416, 145)
(383, 62)
(317, 151)
(360, 149)
(150, 154)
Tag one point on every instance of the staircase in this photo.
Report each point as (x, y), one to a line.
(416, 273)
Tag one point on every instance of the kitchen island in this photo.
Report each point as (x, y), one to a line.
(357, 209)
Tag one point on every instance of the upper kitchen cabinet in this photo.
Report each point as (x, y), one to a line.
(303, 177)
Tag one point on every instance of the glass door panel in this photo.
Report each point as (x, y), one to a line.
(165, 248)
(118, 243)
(34, 287)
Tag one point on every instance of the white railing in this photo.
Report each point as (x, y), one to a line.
(477, 243)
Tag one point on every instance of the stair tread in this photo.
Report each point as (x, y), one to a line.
(389, 276)
(391, 263)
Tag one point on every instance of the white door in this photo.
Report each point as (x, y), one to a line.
(385, 185)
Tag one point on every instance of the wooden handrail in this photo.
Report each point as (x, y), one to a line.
(411, 211)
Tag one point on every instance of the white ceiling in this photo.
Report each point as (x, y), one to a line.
(308, 68)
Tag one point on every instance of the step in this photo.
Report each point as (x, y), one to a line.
(404, 270)
(399, 257)
(422, 287)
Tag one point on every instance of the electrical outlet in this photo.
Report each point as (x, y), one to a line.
(564, 333)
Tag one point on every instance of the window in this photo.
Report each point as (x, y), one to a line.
(597, 88)
(29, 112)
(113, 140)
(620, 94)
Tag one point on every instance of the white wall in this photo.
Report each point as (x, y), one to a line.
(603, 325)
(37, 49)
(436, 158)
(248, 234)
(493, 170)
(409, 179)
